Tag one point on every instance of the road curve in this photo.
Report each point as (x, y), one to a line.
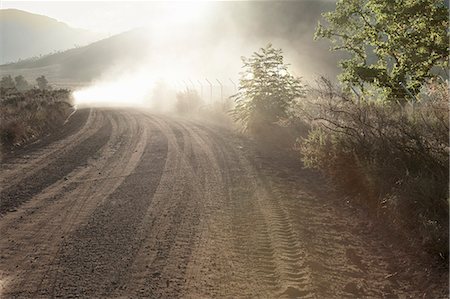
(138, 205)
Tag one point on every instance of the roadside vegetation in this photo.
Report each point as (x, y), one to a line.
(189, 103)
(394, 160)
(29, 112)
(266, 97)
(382, 133)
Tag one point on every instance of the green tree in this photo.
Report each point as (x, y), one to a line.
(21, 83)
(393, 44)
(7, 82)
(42, 82)
(266, 89)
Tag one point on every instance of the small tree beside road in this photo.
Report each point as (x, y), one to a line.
(266, 90)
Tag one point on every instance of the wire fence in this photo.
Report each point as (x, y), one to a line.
(210, 90)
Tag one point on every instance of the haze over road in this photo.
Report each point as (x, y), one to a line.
(127, 204)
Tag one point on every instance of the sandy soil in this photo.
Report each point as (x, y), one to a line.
(127, 204)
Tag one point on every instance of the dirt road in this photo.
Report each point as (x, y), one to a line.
(127, 204)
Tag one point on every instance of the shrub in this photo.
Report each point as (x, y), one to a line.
(266, 91)
(27, 115)
(188, 102)
(7, 82)
(394, 158)
(21, 84)
(217, 112)
(42, 82)
(10, 132)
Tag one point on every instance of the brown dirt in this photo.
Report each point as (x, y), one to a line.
(139, 205)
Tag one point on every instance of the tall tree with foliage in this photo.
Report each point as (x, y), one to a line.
(393, 44)
(266, 89)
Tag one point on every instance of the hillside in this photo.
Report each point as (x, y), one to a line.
(80, 65)
(20, 29)
(198, 51)
(88, 62)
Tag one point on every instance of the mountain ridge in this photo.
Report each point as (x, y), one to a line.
(19, 29)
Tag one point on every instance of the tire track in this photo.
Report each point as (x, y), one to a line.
(248, 245)
(167, 253)
(46, 224)
(88, 259)
(13, 196)
(268, 241)
(76, 200)
(16, 169)
(343, 259)
(123, 154)
(210, 268)
(170, 208)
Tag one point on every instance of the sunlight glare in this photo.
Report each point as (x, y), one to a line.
(130, 90)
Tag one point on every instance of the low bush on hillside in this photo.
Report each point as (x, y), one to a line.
(395, 159)
(188, 102)
(217, 112)
(27, 115)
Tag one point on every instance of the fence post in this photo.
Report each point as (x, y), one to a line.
(210, 89)
(221, 90)
(185, 85)
(192, 83)
(201, 88)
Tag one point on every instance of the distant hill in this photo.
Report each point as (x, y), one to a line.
(24, 35)
(88, 62)
(238, 29)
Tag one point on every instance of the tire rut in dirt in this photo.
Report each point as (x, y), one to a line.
(95, 258)
(251, 238)
(176, 227)
(61, 210)
(264, 238)
(335, 256)
(167, 271)
(13, 196)
(254, 266)
(32, 159)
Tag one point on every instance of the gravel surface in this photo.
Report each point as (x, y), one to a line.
(125, 204)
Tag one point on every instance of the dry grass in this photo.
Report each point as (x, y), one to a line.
(394, 160)
(25, 116)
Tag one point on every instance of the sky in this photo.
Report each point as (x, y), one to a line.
(195, 40)
(112, 17)
(168, 19)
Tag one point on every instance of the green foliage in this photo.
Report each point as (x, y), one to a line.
(390, 42)
(266, 89)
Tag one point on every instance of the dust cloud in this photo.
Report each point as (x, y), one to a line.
(198, 46)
